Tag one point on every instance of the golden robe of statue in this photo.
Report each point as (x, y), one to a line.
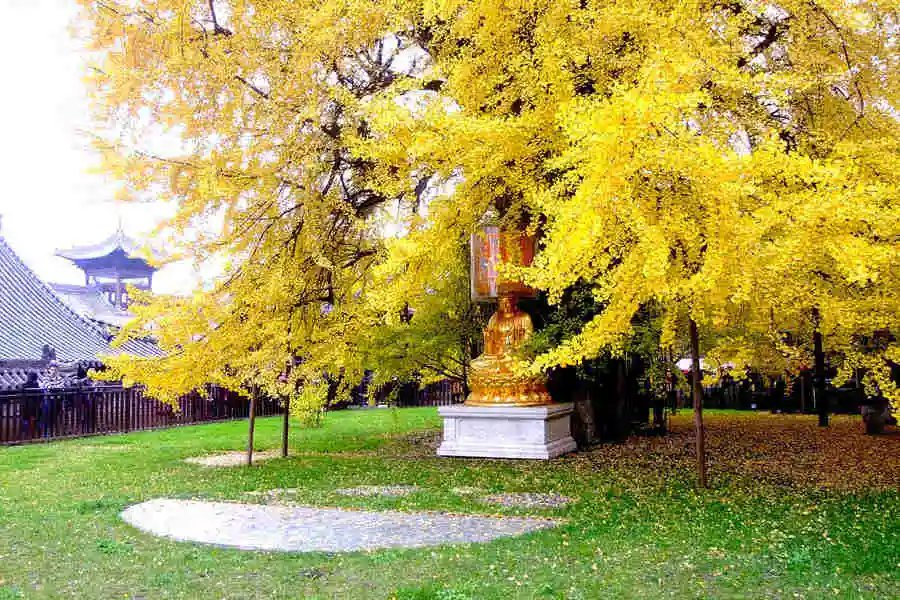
(495, 379)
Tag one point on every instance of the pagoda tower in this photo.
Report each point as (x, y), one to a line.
(113, 264)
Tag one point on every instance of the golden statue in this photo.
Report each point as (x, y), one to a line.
(496, 378)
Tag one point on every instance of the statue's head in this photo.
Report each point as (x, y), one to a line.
(507, 304)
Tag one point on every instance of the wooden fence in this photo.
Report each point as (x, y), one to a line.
(36, 415)
(441, 393)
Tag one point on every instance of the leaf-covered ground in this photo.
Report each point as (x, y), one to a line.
(795, 511)
(783, 450)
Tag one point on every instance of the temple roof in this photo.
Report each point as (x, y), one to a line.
(91, 303)
(32, 315)
(118, 241)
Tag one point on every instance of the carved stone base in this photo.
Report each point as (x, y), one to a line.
(539, 432)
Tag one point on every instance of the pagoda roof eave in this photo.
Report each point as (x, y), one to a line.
(118, 241)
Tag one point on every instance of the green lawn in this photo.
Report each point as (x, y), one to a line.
(637, 529)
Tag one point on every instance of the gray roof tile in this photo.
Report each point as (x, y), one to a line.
(90, 302)
(32, 315)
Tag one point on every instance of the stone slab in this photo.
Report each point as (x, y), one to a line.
(308, 529)
(534, 432)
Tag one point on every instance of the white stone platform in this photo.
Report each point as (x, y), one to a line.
(540, 432)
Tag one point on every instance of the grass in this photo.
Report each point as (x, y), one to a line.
(638, 528)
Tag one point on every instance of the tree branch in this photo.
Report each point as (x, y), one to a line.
(217, 29)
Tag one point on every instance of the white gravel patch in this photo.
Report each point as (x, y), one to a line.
(286, 496)
(465, 490)
(307, 529)
(527, 500)
(232, 459)
(387, 491)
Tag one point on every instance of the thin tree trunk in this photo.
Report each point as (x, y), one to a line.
(819, 379)
(621, 401)
(251, 427)
(285, 427)
(700, 433)
(802, 393)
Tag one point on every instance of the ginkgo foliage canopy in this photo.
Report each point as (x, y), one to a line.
(730, 163)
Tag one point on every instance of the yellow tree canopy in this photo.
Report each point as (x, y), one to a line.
(729, 162)
(240, 114)
(732, 163)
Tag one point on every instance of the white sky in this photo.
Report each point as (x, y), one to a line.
(48, 200)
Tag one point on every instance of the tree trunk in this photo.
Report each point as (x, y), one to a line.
(802, 392)
(659, 411)
(584, 426)
(285, 427)
(617, 402)
(819, 378)
(251, 427)
(698, 406)
(565, 386)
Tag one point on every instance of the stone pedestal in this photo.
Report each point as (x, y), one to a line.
(540, 432)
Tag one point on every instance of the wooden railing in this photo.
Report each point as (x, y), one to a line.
(35, 415)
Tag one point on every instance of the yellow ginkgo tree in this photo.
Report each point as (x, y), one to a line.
(732, 164)
(238, 114)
